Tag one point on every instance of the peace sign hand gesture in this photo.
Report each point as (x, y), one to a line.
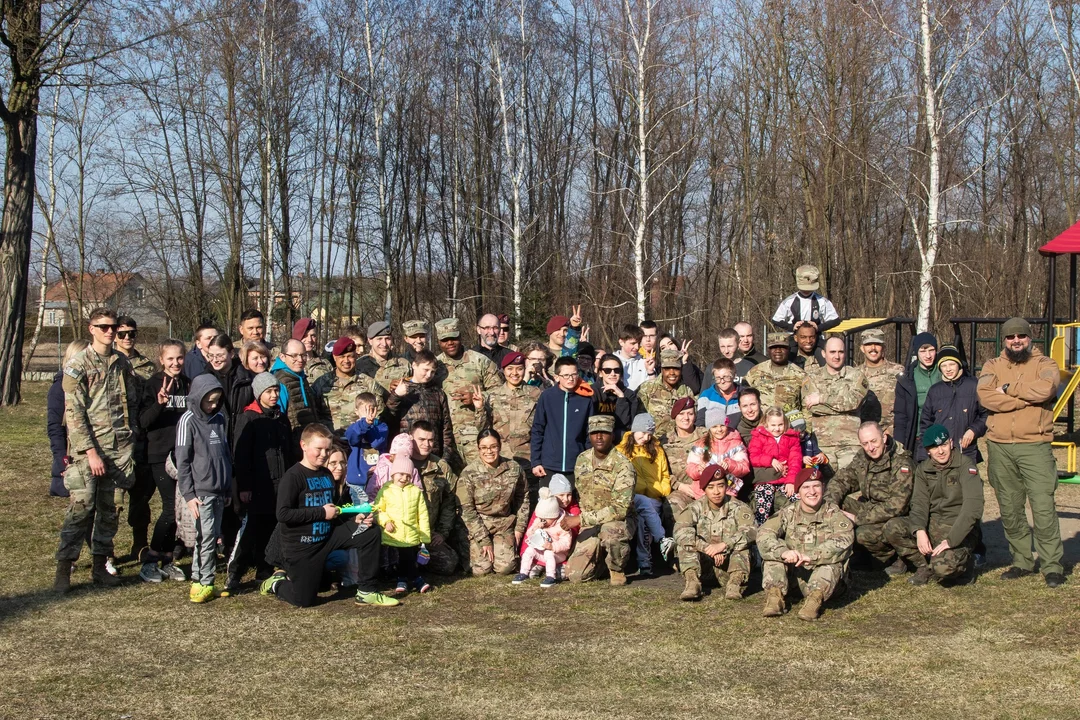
(575, 316)
(167, 384)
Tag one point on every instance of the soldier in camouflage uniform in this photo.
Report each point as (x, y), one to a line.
(833, 398)
(100, 410)
(807, 354)
(881, 376)
(339, 389)
(677, 448)
(809, 541)
(381, 363)
(494, 506)
(461, 374)
(874, 492)
(449, 540)
(416, 337)
(307, 331)
(513, 405)
(777, 380)
(142, 367)
(715, 531)
(605, 484)
(658, 395)
(946, 506)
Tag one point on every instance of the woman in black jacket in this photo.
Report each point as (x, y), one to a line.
(954, 403)
(163, 402)
(612, 397)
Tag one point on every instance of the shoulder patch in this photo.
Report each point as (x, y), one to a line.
(973, 471)
(905, 469)
(73, 372)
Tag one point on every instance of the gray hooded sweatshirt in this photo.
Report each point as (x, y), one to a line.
(203, 462)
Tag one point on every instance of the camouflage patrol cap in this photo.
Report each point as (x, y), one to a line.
(670, 359)
(447, 328)
(601, 423)
(776, 340)
(415, 327)
(806, 278)
(873, 336)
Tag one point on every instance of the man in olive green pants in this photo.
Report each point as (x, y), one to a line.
(1019, 388)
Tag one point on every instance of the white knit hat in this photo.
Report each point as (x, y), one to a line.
(547, 507)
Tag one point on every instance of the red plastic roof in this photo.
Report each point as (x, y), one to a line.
(1066, 243)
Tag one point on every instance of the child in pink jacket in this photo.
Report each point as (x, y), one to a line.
(776, 454)
(723, 447)
(548, 541)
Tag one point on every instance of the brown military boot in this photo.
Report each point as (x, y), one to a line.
(100, 575)
(692, 591)
(811, 608)
(62, 583)
(774, 603)
(898, 567)
(734, 587)
(618, 578)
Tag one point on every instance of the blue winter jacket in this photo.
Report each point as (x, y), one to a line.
(560, 430)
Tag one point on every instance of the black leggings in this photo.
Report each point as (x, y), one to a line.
(305, 563)
(406, 563)
(250, 547)
(164, 538)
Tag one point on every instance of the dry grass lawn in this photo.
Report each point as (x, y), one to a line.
(484, 649)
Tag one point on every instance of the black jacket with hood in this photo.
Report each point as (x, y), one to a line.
(906, 405)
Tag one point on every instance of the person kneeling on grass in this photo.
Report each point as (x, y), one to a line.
(559, 488)
(494, 506)
(548, 541)
(715, 531)
(310, 527)
(403, 515)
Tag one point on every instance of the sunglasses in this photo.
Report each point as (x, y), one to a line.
(106, 328)
(615, 370)
(125, 334)
(1016, 337)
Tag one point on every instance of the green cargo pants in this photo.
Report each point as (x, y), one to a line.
(1022, 472)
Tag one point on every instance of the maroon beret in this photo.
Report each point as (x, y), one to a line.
(512, 358)
(343, 345)
(301, 327)
(805, 475)
(680, 405)
(557, 323)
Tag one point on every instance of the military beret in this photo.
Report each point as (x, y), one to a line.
(557, 323)
(601, 423)
(806, 475)
(1016, 326)
(343, 345)
(447, 328)
(873, 336)
(504, 319)
(512, 358)
(415, 327)
(806, 277)
(935, 436)
(301, 328)
(670, 359)
(681, 404)
(378, 329)
(777, 340)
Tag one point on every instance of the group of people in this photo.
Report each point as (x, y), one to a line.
(321, 466)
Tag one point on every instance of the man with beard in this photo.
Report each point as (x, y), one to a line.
(1019, 388)
(807, 354)
(487, 333)
(881, 376)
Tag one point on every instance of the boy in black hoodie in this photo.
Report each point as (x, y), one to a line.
(204, 476)
(311, 526)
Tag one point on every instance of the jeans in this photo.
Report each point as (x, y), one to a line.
(207, 530)
(648, 510)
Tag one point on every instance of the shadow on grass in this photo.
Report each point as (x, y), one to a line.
(13, 607)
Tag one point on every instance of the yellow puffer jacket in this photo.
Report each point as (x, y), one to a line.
(406, 507)
(653, 476)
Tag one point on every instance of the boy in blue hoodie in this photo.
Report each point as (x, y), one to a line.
(367, 437)
(204, 476)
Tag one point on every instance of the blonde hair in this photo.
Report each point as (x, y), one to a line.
(74, 347)
(253, 346)
(776, 411)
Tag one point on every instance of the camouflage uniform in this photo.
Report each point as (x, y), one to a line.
(339, 397)
(658, 399)
(512, 411)
(142, 368)
(393, 368)
(877, 493)
(778, 384)
(836, 418)
(677, 450)
(879, 402)
(701, 525)
(605, 494)
(947, 502)
(440, 484)
(316, 367)
(494, 505)
(824, 536)
(470, 369)
(100, 411)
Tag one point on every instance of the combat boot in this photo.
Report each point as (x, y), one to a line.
(692, 591)
(734, 587)
(774, 603)
(62, 583)
(618, 578)
(811, 608)
(898, 568)
(100, 573)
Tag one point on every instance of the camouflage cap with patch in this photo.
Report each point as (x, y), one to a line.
(873, 336)
(806, 277)
(447, 328)
(601, 423)
(776, 340)
(670, 359)
(415, 327)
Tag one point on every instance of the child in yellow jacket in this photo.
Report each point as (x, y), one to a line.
(653, 485)
(403, 516)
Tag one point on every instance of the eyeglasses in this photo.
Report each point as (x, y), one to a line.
(567, 376)
(125, 334)
(1021, 336)
(218, 357)
(504, 328)
(106, 328)
(615, 370)
(488, 327)
(718, 378)
(295, 355)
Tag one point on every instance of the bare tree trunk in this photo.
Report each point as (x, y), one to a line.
(49, 214)
(640, 39)
(928, 249)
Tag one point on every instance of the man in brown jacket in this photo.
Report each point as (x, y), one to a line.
(1019, 388)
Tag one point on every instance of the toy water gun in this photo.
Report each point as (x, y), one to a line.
(350, 509)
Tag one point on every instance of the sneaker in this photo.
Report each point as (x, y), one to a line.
(110, 567)
(421, 585)
(149, 573)
(232, 584)
(667, 545)
(1015, 573)
(402, 588)
(375, 598)
(548, 581)
(172, 572)
(200, 593)
(980, 560)
(269, 585)
(644, 572)
(519, 578)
